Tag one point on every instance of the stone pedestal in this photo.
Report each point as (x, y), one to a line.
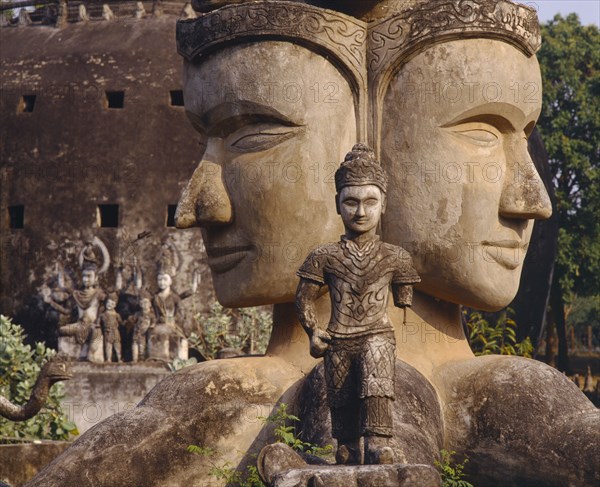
(397, 475)
(92, 352)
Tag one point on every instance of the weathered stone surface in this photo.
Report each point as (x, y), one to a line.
(510, 416)
(276, 458)
(360, 476)
(19, 463)
(215, 404)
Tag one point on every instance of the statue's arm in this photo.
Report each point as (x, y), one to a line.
(403, 294)
(306, 296)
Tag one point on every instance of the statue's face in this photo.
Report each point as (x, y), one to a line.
(163, 281)
(274, 120)
(88, 278)
(361, 207)
(110, 304)
(463, 190)
(145, 305)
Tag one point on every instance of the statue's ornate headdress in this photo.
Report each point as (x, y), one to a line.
(338, 37)
(360, 167)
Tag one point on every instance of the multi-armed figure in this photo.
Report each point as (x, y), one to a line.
(358, 347)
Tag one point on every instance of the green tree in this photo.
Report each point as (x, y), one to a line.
(570, 128)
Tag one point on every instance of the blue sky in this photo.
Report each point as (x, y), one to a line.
(588, 10)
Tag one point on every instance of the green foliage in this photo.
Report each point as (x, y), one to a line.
(226, 471)
(584, 312)
(178, 364)
(19, 368)
(452, 473)
(283, 432)
(499, 338)
(245, 329)
(570, 128)
(286, 433)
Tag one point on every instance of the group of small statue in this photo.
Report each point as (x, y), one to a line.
(96, 334)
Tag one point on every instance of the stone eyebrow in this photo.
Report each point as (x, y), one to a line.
(505, 116)
(225, 116)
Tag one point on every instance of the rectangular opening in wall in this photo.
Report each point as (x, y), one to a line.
(171, 215)
(27, 103)
(115, 99)
(176, 98)
(16, 216)
(108, 216)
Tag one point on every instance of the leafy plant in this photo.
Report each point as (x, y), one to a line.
(246, 329)
(177, 363)
(226, 471)
(499, 338)
(286, 433)
(19, 367)
(451, 472)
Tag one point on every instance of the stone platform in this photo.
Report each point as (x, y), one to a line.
(98, 391)
(397, 475)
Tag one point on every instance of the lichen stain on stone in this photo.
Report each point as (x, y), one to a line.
(210, 388)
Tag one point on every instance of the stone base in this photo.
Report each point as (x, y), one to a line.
(397, 475)
(98, 391)
(92, 352)
(20, 463)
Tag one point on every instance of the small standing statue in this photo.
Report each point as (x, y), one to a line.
(167, 339)
(358, 346)
(110, 321)
(144, 321)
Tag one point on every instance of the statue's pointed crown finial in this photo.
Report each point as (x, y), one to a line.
(360, 167)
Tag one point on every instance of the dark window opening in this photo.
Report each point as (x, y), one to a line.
(176, 98)
(115, 99)
(16, 216)
(171, 215)
(28, 103)
(108, 216)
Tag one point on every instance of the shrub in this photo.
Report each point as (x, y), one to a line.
(19, 368)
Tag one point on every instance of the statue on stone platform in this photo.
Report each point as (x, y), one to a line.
(359, 345)
(110, 322)
(167, 338)
(85, 337)
(144, 322)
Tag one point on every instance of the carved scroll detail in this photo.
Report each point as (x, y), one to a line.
(404, 32)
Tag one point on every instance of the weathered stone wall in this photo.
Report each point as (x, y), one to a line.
(72, 153)
(98, 391)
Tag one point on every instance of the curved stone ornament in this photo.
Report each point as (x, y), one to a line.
(396, 38)
(340, 38)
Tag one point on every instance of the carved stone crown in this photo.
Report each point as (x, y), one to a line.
(336, 32)
(424, 22)
(360, 167)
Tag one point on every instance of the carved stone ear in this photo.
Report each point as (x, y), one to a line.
(337, 203)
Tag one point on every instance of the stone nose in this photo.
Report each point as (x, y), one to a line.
(523, 194)
(204, 202)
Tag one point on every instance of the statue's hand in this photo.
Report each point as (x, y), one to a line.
(319, 342)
